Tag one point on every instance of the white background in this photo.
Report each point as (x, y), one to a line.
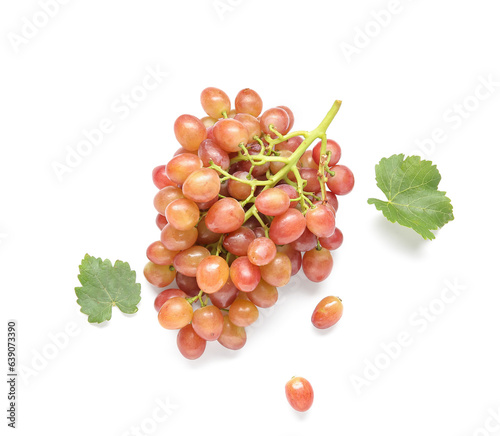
(107, 379)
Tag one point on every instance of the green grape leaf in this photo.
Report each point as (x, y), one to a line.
(105, 286)
(413, 199)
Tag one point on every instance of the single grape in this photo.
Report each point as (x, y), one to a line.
(287, 227)
(205, 235)
(175, 313)
(244, 274)
(214, 102)
(202, 185)
(249, 102)
(327, 313)
(159, 254)
(331, 146)
(189, 343)
(177, 240)
(187, 261)
(278, 271)
(183, 214)
(264, 295)
(320, 221)
(307, 161)
(261, 251)
(252, 124)
(167, 294)
(225, 216)
(208, 322)
(181, 166)
(208, 121)
(243, 312)
(276, 117)
(232, 337)
(342, 182)
(239, 190)
(165, 196)
(190, 132)
(212, 274)
(229, 134)
(160, 178)
(291, 118)
(291, 192)
(225, 296)
(159, 275)
(210, 151)
(299, 394)
(161, 221)
(307, 241)
(294, 256)
(187, 284)
(317, 264)
(237, 242)
(334, 241)
(272, 202)
(310, 175)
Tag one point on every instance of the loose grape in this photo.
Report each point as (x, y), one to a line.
(299, 394)
(327, 313)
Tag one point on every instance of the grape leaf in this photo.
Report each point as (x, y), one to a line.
(105, 286)
(414, 201)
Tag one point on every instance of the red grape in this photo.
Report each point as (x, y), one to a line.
(189, 343)
(299, 394)
(317, 264)
(327, 313)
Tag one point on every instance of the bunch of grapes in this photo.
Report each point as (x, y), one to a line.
(242, 206)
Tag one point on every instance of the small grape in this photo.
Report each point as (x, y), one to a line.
(225, 296)
(299, 394)
(160, 178)
(327, 313)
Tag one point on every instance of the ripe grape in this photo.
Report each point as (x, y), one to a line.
(272, 202)
(181, 166)
(307, 241)
(237, 242)
(175, 313)
(202, 185)
(208, 322)
(327, 313)
(331, 146)
(310, 175)
(334, 241)
(167, 294)
(276, 117)
(287, 227)
(291, 192)
(294, 256)
(210, 151)
(252, 124)
(299, 394)
(225, 296)
(212, 274)
(159, 254)
(291, 118)
(187, 284)
(225, 216)
(264, 295)
(317, 264)
(261, 251)
(307, 161)
(205, 235)
(230, 133)
(187, 261)
(239, 190)
(249, 102)
(160, 178)
(161, 221)
(342, 182)
(177, 240)
(232, 337)
(189, 343)
(165, 196)
(243, 312)
(183, 214)
(278, 271)
(244, 274)
(320, 221)
(190, 132)
(214, 102)
(159, 275)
